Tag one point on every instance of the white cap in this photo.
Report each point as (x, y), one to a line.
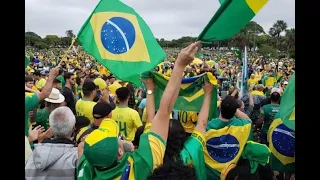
(278, 90)
(286, 82)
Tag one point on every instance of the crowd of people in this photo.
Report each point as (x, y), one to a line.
(83, 123)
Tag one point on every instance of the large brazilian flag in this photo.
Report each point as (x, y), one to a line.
(117, 37)
(191, 93)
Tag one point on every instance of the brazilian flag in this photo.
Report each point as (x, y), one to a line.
(118, 38)
(230, 18)
(26, 61)
(191, 93)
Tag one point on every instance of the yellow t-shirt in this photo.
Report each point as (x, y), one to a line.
(85, 108)
(270, 81)
(252, 82)
(40, 83)
(128, 120)
(187, 120)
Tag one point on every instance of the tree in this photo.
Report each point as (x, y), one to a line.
(69, 34)
(290, 39)
(267, 50)
(278, 27)
(41, 45)
(52, 40)
(31, 38)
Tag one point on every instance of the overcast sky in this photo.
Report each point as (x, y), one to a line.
(167, 19)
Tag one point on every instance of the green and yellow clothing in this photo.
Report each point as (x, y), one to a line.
(134, 166)
(188, 120)
(31, 102)
(40, 83)
(128, 120)
(267, 113)
(85, 108)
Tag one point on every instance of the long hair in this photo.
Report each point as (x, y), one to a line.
(176, 139)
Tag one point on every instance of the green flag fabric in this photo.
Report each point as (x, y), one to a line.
(230, 18)
(191, 93)
(26, 61)
(287, 105)
(118, 38)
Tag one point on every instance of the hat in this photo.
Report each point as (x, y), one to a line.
(101, 110)
(101, 145)
(101, 83)
(89, 86)
(286, 82)
(55, 96)
(277, 90)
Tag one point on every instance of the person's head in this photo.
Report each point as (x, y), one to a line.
(252, 76)
(123, 94)
(111, 79)
(101, 111)
(79, 81)
(229, 106)
(271, 72)
(275, 97)
(81, 121)
(54, 100)
(57, 84)
(89, 89)
(29, 81)
(62, 122)
(106, 138)
(260, 87)
(173, 170)
(69, 78)
(37, 75)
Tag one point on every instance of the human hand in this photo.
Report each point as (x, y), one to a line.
(207, 88)
(186, 55)
(34, 133)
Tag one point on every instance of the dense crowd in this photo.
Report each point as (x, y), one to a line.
(81, 122)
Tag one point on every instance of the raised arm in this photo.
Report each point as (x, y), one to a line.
(151, 109)
(205, 108)
(160, 123)
(47, 88)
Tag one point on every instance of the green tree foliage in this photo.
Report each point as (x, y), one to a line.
(267, 50)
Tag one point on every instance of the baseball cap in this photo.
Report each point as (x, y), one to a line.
(89, 86)
(101, 110)
(286, 82)
(101, 145)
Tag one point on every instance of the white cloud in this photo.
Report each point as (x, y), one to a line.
(167, 18)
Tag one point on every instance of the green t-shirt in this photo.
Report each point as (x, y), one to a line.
(137, 165)
(31, 102)
(268, 112)
(192, 153)
(42, 118)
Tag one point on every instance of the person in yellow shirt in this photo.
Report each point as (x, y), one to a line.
(40, 80)
(84, 106)
(271, 80)
(128, 119)
(258, 90)
(252, 81)
(188, 120)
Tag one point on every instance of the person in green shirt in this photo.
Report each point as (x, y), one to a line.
(102, 155)
(267, 114)
(32, 101)
(52, 102)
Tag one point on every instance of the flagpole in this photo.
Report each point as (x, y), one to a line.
(65, 54)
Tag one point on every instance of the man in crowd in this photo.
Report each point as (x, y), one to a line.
(67, 91)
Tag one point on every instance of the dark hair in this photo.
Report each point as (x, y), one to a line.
(132, 99)
(67, 75)
(275, 97)
(122, 93)
(28, 79)
(81, 121)
(176, 139)
(78, 80)
(229, 107)
(242, 172)
(137, 136)
(173, 170)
